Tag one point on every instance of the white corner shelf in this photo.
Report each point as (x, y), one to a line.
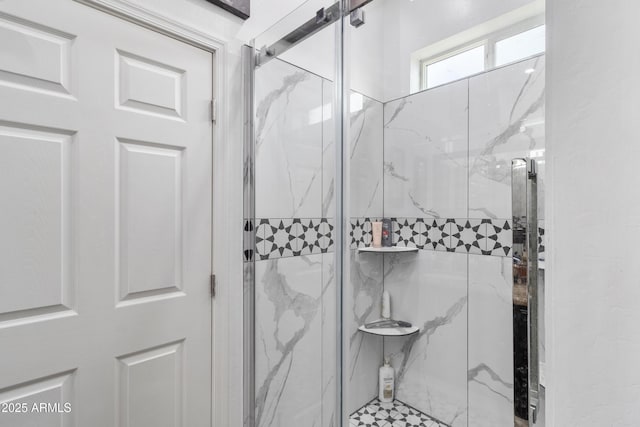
(390, 332)
(388, 249)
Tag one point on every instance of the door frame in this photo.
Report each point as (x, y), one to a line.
(223, 263)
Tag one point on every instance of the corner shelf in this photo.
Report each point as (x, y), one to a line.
(388, 249)
(390, 332)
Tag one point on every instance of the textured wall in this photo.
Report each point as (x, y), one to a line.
(593, 136)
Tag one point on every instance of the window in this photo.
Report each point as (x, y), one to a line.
(520, 46)
(455, 67)
(517, 42)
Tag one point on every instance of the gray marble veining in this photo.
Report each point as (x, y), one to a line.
(288, 142)
(398, 107)
(506, 121)
(425, 153)
(366, 158)
(474, 374)
(288, 338)
(490, 371)
(427, 329)
(268, 101)
(362, 300)
(330, 338)
(429, 290)
(328, 151)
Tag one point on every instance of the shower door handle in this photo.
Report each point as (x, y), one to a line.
(525, 291)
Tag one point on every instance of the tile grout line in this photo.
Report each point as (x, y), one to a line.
(383, 216)
(485, 233)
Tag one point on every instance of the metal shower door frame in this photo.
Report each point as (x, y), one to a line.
(524, 187)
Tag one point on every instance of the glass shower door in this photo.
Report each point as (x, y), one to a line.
(291, 298)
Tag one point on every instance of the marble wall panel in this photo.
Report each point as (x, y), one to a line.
(425, 154)
(429, 289)
(366, 157)
(330, 337)
(288, 142)
(490, 370)
(506, 121)
(362, 304)
(288, 341)
(328, 150)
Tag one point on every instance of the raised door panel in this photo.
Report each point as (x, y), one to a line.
(150, 220)
(150, 391)
(35, 222)
(43, 402)
(34, 57)
(148, 86)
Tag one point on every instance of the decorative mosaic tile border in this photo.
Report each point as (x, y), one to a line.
(472, 236)
(271, 238)
(287, 237)
(394, 414)
(248, 236)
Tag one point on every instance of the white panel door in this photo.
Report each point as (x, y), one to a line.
(105, 221)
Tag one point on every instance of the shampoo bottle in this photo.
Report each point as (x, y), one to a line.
(386, 232)
(376, 231)
(386, 382)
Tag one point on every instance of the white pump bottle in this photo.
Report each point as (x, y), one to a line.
(386, 383)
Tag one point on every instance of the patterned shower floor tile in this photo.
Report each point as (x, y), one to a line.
(395, 414)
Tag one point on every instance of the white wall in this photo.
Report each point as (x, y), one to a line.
(364, 50)
(594, 213)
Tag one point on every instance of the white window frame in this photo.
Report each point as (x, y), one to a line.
(488, 40)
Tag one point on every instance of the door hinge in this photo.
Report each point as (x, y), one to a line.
(214, 110)
(213, 286)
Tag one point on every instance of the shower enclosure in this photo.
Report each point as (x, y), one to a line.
(359, 111)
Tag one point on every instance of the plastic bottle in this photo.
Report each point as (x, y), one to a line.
(386, 384)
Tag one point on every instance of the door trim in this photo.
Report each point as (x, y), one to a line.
(225, 263)
(158, 23)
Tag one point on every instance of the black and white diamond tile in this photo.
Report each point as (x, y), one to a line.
(325, 235)
(409, 232)
(305, 236)
(469, 236)
(314, 236)
(360, 232)
(286, 237)
(499, 237)
(395, 414)
(248, 245)
(276, 238)
(373, 413)
(261, 226)
(438, 234)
